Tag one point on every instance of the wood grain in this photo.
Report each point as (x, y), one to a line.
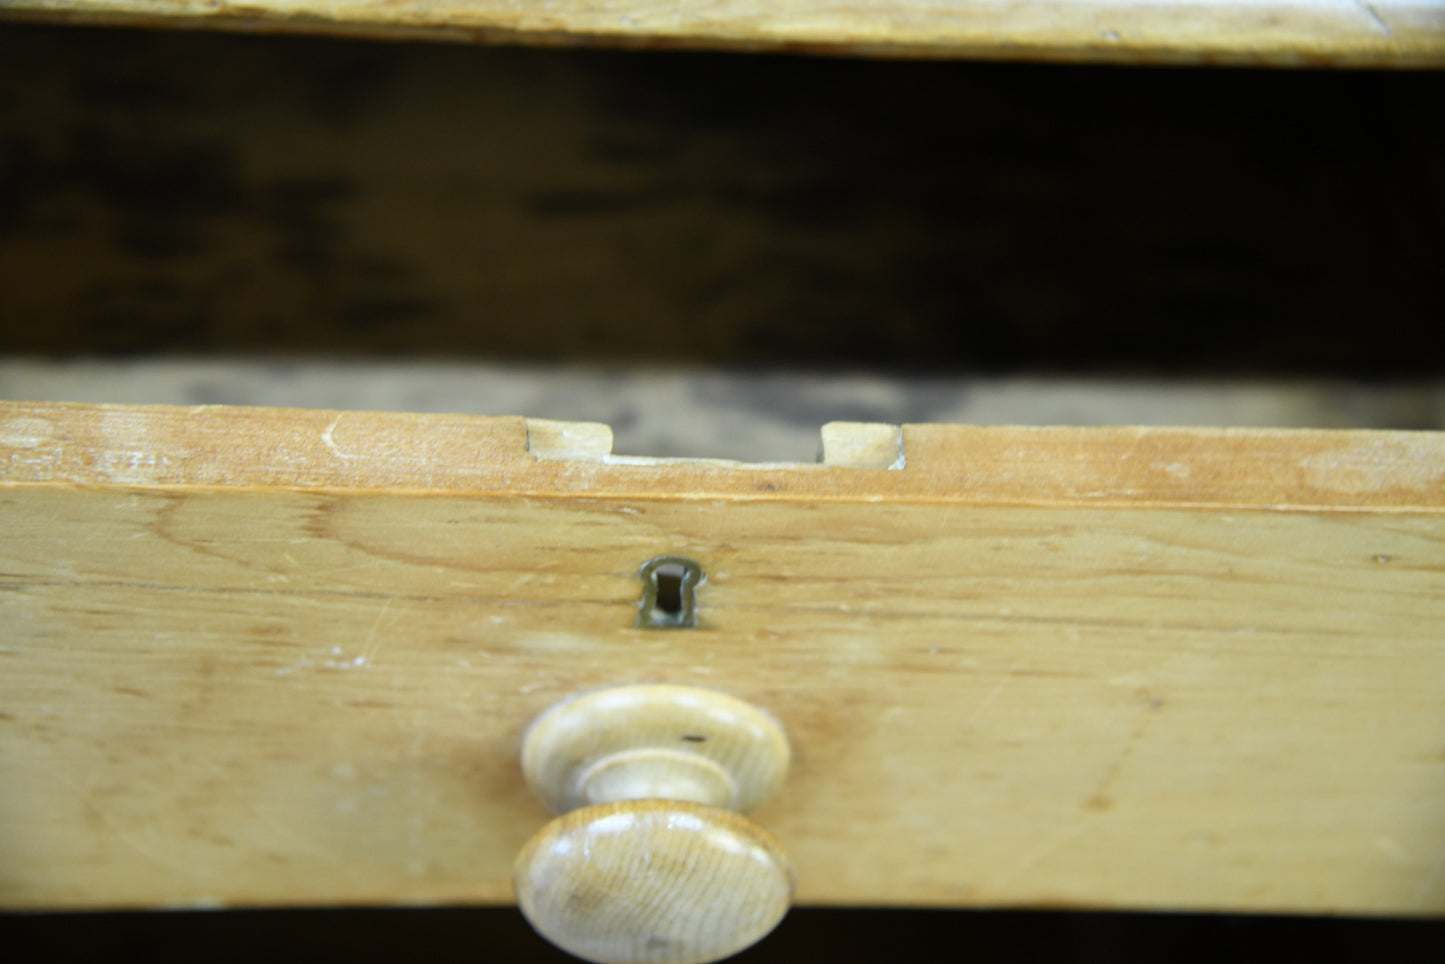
(1317, 32)
(649, 863)
(230, 446)
(281, 657)
(653, 882)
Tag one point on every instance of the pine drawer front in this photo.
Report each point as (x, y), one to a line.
(282, 657)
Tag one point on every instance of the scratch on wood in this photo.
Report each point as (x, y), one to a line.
(373, 645)
(1379, 21)
(1032, 858)
(1100, 801)
(331, 442)
(99, 814)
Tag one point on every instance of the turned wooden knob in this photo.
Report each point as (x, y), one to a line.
(649, 862)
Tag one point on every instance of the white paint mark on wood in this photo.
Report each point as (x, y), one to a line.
(1376, 465)
(330, 442)
(25, 433)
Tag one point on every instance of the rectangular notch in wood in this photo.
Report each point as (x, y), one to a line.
(845, 445)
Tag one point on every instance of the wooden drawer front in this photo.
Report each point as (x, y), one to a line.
(270, 657)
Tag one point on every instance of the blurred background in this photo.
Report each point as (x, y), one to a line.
(715, 254)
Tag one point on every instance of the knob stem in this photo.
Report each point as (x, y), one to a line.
(656, 774)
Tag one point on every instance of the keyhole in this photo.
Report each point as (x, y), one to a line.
(669, 589)
(667, 594)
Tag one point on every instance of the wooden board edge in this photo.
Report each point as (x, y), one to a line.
(226, 446)
(1099, 32)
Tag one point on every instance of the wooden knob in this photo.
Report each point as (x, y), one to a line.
(652, 865)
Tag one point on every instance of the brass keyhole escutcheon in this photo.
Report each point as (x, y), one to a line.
(669, 599)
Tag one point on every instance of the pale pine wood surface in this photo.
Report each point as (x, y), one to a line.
(218, 445)
(266, 657)
(1314, 33)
